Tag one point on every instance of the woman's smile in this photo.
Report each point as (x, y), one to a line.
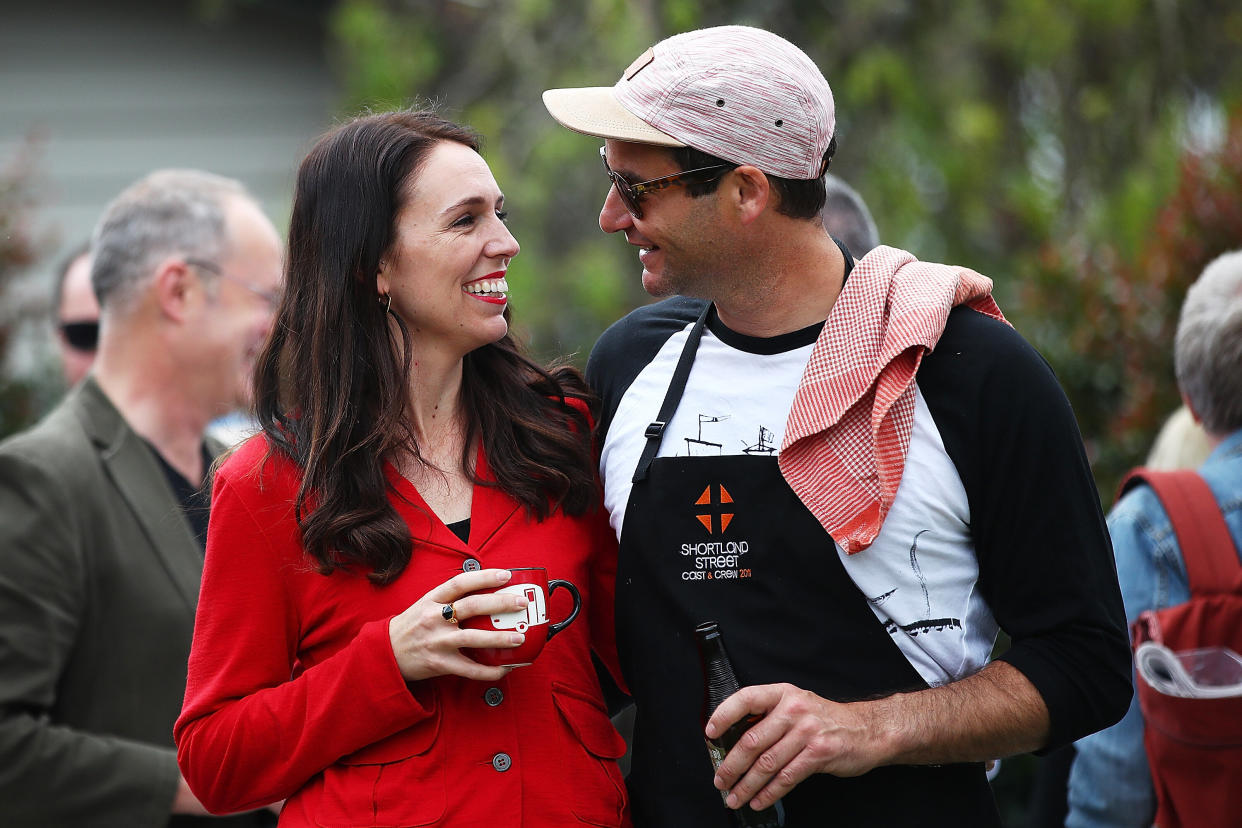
(493, 288)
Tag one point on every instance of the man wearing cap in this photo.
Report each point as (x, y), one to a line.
(857, 468)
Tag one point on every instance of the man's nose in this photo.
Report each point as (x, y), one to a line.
(613, 216)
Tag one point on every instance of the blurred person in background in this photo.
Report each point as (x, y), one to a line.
(103, 517)
(410, 455)
(846, 217)
(1110, 782)
(239, 422)
(76, 314)
(1181, 444)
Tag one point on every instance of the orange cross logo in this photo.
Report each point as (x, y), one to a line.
(715, 508)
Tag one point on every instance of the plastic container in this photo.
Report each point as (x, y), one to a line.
(1212, 666)
(1204, 673)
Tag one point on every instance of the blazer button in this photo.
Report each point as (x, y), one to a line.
(502, 762)
(494, 696)
(471, 565)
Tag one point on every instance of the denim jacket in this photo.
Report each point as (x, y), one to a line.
(1110, 782)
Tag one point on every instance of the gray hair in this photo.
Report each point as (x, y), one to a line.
(1208, 350)
(167, 213)
(845, 216)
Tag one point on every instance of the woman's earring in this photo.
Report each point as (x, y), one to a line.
(388, 307)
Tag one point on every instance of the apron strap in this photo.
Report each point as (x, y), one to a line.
(676, 386)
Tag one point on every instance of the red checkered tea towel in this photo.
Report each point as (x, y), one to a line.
(849, 428)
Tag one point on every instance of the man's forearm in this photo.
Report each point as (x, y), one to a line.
(996, 712)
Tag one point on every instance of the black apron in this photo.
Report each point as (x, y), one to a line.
(725, 539)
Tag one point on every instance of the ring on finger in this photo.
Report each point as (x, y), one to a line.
(448, 613)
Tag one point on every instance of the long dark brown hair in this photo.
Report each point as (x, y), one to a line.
(331, 383)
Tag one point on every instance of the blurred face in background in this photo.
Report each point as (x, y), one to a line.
(77, 321)
(244, 289)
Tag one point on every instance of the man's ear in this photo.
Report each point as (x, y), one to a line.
(749, 192)
(176, 287)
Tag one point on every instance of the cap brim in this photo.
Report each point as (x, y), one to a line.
(595, 111)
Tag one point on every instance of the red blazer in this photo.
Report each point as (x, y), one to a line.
(293, 690)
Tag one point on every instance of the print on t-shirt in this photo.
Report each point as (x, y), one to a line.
(927, 624)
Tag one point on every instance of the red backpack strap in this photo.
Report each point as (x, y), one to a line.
(1211, 558)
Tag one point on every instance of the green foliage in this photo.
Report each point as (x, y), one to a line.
(386, 54)
(1108, 314)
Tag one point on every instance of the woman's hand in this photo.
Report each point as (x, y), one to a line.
(426, 645)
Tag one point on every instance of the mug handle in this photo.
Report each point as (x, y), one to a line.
(553, 583)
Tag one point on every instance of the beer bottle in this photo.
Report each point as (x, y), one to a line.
(719, 682)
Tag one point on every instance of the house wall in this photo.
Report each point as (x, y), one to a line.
(108, 91)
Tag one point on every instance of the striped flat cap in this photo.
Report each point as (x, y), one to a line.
(738, 93)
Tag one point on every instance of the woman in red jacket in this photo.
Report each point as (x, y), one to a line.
(409, 456)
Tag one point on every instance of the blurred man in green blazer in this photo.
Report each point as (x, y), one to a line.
(103, 510)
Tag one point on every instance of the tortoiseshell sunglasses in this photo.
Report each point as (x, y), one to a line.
(631, 193)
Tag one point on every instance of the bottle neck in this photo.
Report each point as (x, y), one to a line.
(718, 675)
